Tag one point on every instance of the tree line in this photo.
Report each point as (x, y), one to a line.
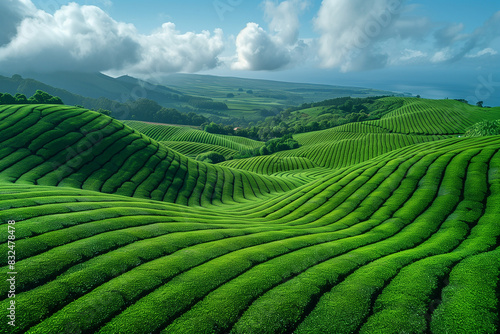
(291, 121)
(202, 103)
(141, 109)
(40, 97)
(151, 111)
(271, 146)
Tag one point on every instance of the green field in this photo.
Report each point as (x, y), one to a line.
(252, 97)
(180, 134)
(382, 226)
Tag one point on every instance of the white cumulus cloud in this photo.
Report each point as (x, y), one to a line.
(457, 45)
(357, 35)
(283, 19)
(85, 38)
(484, 52)
(410, 54)
(353, 35)
(12, 13)
(259, 50)
(74, 38)
(350, 30)
(441, 56)
(168, 50)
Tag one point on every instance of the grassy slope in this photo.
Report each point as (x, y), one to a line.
(180, 133)
(67, 146)
(420, 116)
(414, 121)
(317, 114)
(389, 245)
(348, 243)
(192, 149)
(270, 164)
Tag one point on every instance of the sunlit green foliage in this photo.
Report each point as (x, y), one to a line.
(486, 128)
(40, 97)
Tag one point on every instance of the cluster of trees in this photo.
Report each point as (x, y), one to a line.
(40, 97)
(336, 112)
(271, 146)
(346, 104)
(151, 111)
(485, 128)
(142, 109)
(480, 104)
(211, 157)
(279, 144)
(201, 103)
(220, 129)
(103, 111)
(248, 91)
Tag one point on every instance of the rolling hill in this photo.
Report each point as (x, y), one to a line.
(387, 226)
(68, 146)
(414, 121)
(166, 133)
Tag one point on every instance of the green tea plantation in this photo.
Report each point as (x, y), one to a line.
(376, 227)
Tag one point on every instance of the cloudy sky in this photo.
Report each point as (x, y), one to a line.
(438, 49)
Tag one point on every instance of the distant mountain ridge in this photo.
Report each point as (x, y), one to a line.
(17, 84)
(227, 100)
(98, 85)
(190, 83)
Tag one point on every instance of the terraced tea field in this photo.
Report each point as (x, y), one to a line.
(394, 230)
(186, 134)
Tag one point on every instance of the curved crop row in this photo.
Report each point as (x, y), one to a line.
(432, 117)
(269, 164)
(406, 241)
(191, 149)
(470, 296)
(362, 249)
(343, 132)
(362, 147)
(73, 147)
(185, 134)
(412, 116)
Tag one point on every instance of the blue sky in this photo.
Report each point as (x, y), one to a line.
(437, 49)
(197, 15)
